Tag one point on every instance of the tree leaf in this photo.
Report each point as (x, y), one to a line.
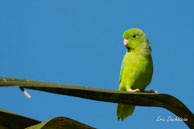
(139, 99)
(60, 123)
(9, 120)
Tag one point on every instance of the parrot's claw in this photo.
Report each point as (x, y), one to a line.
(134, 90)
(151, 91)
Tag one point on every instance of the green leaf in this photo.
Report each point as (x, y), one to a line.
(60, 123)
(9, 120)
(139, 99)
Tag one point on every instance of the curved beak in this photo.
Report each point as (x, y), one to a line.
(126, 41)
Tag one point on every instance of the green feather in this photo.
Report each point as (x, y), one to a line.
(121, 72)
(136, 69)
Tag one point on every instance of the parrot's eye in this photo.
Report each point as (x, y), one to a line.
(134, 36)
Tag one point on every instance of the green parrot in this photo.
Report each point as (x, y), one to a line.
(136, 69)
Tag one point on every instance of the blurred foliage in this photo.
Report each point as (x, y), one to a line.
(9, 120)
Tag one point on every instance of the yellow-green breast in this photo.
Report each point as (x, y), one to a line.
(137, 71)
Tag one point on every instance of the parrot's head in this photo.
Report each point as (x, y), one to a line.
(136, 40)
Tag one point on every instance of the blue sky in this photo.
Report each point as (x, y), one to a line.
(80, 42)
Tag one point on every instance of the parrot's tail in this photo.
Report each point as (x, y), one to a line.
(124, 110)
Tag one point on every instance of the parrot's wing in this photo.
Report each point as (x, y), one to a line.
(121, 71)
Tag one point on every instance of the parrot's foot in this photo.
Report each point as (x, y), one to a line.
(134, 90)
(151, 91)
